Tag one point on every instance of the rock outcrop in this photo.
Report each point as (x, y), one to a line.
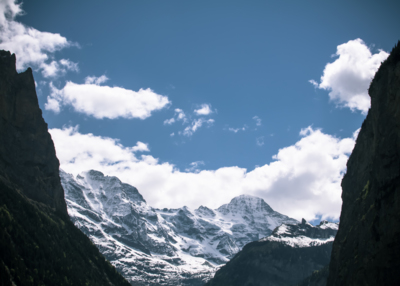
(366, 250)
(286, 257)
(39, 245)
(27, 156)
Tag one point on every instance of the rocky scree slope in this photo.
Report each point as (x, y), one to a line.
(366, 250)
(39, 245)
(163, 246)
(286, 257)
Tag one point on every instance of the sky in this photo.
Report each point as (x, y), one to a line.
(196, 102)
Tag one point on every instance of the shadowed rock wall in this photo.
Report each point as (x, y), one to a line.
(39, 245)
(27, 156)
(366, 250)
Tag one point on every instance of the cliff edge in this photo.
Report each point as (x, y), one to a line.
(366, 250)
(28, 159)
(39, 245)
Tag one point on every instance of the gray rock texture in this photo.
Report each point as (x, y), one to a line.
(366, 250)
(27, 156)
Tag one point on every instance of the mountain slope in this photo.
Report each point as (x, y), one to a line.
(39, 245)
(163, 246)
(286, 257)
(366, 250)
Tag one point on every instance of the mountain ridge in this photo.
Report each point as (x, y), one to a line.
(290, 254)
(154, 244)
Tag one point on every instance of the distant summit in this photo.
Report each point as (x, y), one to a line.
(246, 203)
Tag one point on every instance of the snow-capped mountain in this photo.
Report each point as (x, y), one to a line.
(163, 246)
(304, 234)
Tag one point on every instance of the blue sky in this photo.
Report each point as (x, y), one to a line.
(242, 82)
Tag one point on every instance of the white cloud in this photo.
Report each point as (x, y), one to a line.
(69, 65)
(178, 116)
(192, 125)
(205, 109)
(105, 101)
(140, 147)
(194, 167)
(196, 124)
(349, 76)
(96, 80)
(260, 141)
(52, 104)
(314, 83)
(236, 130)
(55, 69)
(169, 121)
(258, 120)
(32, 47)
(302, 181)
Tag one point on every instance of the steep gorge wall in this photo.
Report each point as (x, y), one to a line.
(27, 156)
(366, 250)
(39, 245)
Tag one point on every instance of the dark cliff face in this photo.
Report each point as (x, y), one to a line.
(27, 155)
(39, 245)
(366, 250)
(289, 255)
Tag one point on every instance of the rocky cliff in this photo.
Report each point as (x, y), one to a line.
(27, 155)
(366, 250)
(39, 245)
(290, 254)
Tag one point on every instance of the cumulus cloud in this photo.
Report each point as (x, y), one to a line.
(303, 180)
(140, 147)
(104, 101)
(349, 76)
(32, 47)
(205, 109)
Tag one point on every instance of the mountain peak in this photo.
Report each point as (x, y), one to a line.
(103, 186)
(246, 203)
